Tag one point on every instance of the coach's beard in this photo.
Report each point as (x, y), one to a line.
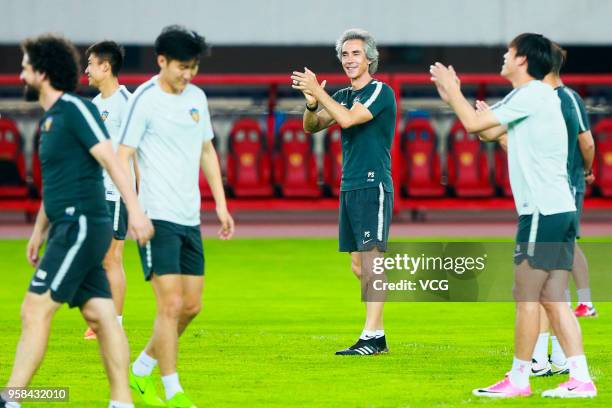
(30, 93)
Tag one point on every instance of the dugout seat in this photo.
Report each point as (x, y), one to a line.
(12, 162)
(248, 161)
(420, 173)
(332, 160)
(295, 165)
(502, 176)
(602, 133)
(468, 166)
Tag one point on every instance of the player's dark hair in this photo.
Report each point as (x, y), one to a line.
(57, 58)
(178, 43)
(559, 56)
(537, 49)
(108, 51)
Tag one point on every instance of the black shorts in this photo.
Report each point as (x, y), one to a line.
(546, 241)
(365, 217)
(71, 266)
(174, 249)
(119, 216)
(579, 199)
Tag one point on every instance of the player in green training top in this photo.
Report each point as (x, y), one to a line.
(73, 146)
(366, 112)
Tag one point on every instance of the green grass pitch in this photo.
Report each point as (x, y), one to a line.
(275, 310)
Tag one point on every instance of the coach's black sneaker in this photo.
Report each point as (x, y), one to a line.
(381, 343)
(361, 348)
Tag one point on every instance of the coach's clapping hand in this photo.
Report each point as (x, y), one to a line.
(445, 79)
(140, 226)
(227, 224)
(307, 83)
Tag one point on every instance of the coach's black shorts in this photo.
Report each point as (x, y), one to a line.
(71, 266)
(365, 216)
(174, 249)
(546, 241)
(120, 218)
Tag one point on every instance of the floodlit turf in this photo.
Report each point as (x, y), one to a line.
(275, 310)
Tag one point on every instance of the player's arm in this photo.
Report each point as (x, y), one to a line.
(585, 140)
(38, 236)
(307, 82)
(449, 89)
(212, 172)
(140, 226)
(136, 173)
(496, 133)
(587, 149)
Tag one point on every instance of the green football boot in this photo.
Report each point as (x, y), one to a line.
(180, 400)
(145, 387)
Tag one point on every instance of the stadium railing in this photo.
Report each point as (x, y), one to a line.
(481, 86)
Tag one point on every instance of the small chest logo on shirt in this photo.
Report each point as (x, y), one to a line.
(356, 100)
(371, 176)
(104, 115)
(46, 126)
(343, 103)
(195, 115)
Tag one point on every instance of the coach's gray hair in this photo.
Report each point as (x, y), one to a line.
(369, 46)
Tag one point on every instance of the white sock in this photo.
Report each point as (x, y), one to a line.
(578, 368)
(568, 297)
(557, 355)
(540, 353)
(519, 374)
(367, 334)
(144, 364)
(171, 385)
(120, 320)
(379, 333)
(584, 297)
(12, 404)
(115, 404)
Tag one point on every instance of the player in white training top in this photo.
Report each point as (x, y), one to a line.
(167, 125)
(104, 61)
(537, 163)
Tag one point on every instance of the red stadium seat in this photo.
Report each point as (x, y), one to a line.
(248, 161)
(420, 173)
(332, 162)
(468, 167)
(12, 162)
(295, 166)
(502, 176)
(602, 134)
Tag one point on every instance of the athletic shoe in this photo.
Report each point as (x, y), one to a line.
(381, 343)
(572, 389)
(585, 311)
(90, 334)
(556, 369)
(503, 389)
(361, 348)
(145, 387)
(180, 400)
(540, 370)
